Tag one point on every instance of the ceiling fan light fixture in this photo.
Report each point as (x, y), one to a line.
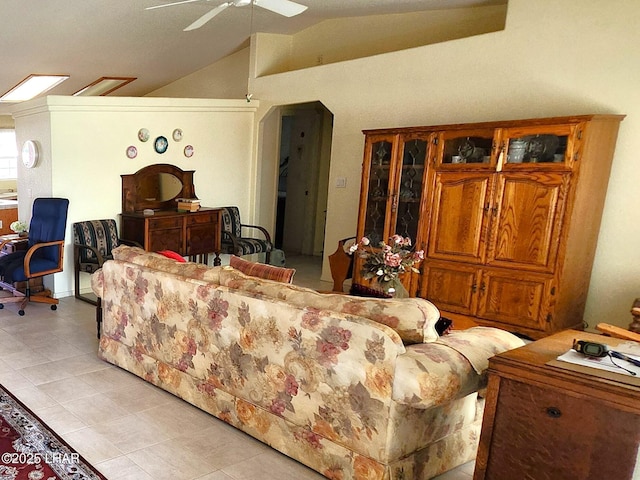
(286, 8)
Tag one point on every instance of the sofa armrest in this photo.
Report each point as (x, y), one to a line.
(431, 374)
(97, 282)
(479, 344)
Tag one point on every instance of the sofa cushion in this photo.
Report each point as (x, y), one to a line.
(261, 270)
(157, 261)
(412, 318)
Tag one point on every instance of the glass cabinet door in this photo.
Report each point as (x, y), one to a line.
(546, 145)
(406, 208)
(379, 155)
(466, 147)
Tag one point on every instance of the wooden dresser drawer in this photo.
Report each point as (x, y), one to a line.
(201, 218)
(161, 223)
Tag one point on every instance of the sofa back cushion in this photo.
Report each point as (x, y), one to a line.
(412, 318)
(157, 261)
(261, 270)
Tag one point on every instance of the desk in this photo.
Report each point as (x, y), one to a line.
(12, 243)
(547, 422)
(187, 233)
(15, 243)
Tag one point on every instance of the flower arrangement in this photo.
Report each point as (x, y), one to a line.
(19, 226)
(388, 262)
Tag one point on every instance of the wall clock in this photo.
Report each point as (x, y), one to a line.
(30, 153)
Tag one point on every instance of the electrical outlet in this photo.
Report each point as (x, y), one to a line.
(0, 224)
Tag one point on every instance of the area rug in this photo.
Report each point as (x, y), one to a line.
(30, 450)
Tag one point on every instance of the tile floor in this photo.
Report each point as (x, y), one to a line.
(126, 428)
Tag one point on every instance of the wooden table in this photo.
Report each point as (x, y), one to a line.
(557, 422)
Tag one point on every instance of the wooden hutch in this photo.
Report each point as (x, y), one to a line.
(508, 214)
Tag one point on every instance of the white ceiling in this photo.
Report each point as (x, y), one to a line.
(88, 39)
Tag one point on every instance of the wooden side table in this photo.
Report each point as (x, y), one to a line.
(547, 422)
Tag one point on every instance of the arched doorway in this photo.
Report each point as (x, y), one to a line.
(297, 177)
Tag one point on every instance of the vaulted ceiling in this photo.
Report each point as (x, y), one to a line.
(89, 39)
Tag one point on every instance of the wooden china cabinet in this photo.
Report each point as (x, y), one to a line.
(508, 214)
(392, 191)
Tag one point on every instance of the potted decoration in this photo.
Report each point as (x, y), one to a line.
(386, 263)
(20, 227)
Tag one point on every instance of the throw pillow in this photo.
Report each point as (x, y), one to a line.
(173, 255)
(261, 270)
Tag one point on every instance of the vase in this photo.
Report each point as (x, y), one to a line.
(401, 292)
(396, 290)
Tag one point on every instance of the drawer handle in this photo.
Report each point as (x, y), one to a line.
(554, 412)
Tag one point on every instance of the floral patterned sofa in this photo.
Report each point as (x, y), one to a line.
(355, 388)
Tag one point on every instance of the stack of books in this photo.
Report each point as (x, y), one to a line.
(188, 204)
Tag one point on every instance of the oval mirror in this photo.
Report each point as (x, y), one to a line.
(159, 187)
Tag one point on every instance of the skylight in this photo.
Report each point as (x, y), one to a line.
(104, 86)
(32, 86)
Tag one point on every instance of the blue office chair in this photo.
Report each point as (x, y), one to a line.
(44, 254)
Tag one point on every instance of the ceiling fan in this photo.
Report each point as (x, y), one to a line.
(286, 8)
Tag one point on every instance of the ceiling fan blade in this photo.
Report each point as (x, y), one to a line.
(207, 16)
(282, 7)
(171, 4)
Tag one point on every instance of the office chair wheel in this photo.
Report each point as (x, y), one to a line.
(21, 313)
(1, 306)
(54, 307)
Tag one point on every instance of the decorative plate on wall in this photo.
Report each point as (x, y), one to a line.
(132, 152)
(143, 134)
(161, 144)
(188, 151)
(177, 135)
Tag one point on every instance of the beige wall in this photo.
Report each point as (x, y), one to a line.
(83, 141)
(552, 58)
(227, 78)
(6, 121)
(358, 37)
